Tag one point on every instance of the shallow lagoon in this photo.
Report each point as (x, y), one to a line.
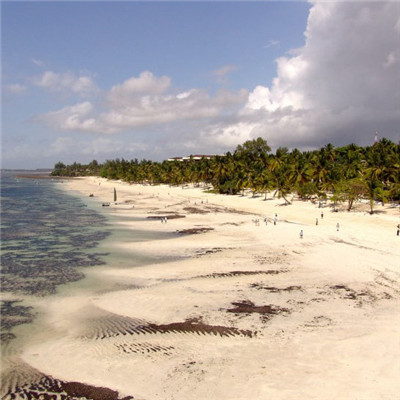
(51, 238)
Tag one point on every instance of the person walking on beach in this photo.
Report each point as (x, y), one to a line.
(337, 226)
(316, 221)
(322, 215)
(301, 234)
(398, 229)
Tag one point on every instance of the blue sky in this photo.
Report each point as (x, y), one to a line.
(101, 80)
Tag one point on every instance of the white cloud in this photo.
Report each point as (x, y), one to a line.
(134, 88)
(142, 102)
(16, 88)
(66, 83)
(70, 118)
(340, 87)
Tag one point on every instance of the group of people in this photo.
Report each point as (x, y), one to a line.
(164, 220)
(257, 221)
(275, 220)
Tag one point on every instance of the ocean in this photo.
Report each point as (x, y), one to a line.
(47, 237)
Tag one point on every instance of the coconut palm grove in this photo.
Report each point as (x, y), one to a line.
(340, 174)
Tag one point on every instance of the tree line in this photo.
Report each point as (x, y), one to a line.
(345, 174)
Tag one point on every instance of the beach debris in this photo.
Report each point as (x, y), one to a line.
(240, 273)
(320, 321)
(145, 348)
(275, 289)
(169, 216)
(205, 251)
(50, 388)
(195, 325)
(112, 325)
(196, 210)
(247, 307)
(194, 231)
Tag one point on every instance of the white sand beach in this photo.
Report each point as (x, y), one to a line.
(233, 309)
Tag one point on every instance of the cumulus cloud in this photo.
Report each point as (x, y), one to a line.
(70, 118)
(145, 84)
(340, 87)
(145, 101)
(66, 83)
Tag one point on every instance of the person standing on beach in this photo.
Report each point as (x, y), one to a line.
(337, 226)
(301, 234)
(316, 221)
(322, 215)
(398, 229)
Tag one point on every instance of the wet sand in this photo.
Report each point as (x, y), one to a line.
(226, 307)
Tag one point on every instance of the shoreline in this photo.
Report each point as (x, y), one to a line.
(234, 309)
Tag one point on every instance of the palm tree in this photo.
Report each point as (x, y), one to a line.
(281, 174)
(373, 185)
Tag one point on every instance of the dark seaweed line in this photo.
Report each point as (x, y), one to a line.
(117, 326)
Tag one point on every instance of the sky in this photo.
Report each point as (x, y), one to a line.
(84, 80)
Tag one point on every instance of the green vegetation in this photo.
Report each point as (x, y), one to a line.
(346, 173)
